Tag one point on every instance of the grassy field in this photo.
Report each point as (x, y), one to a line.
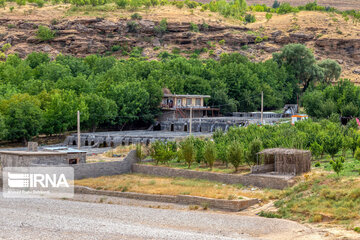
(218, 167)
(173, 186)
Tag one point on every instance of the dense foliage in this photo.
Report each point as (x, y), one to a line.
(46, 94)
(240, 145)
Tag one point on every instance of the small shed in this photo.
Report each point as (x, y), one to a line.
(283, 161)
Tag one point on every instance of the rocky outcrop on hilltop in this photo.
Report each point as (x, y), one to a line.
(82, 37)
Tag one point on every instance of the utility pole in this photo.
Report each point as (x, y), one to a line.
(190, 121)
(262, 107)
(78, 129)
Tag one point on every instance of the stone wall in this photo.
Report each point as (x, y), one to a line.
(232, 205)
(93, 170)
(258, 180)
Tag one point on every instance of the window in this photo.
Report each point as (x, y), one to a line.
(188, 101)
(73, 161)
(198, 102)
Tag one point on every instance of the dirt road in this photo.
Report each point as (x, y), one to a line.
(63, 219)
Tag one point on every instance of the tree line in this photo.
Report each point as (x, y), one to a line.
(239, 146)
(41, 95)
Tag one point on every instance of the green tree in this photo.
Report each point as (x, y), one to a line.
(332, 70)
(338, 165)
(60, 110)
(255, 146)
(100, 110)
(332, 143)
(161, 152)
(236, 154)
(187, 151)
(316, 149)
(210, 153)
(22, 116)
(300, 62)
(357, 154)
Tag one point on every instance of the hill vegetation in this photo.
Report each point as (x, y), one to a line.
(40, 95)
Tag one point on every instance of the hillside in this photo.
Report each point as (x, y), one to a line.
(339, 4)
(81, 31)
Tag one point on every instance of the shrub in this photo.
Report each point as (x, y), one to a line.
(316, 149)
(132, 26)
(6, 47)
(135, 4)
(115, 48)
(187, 151)
(255, 146)
(45, 34)
(249, 18)
(222, 42)
(162, 27)
(244, 47)
(276, 4)
(11, 9)
(21, 2)
(338, 165)
(191, 4)
(357, 154)
(268, 16)
(286, 8)
(2, 56)
(136, 16)
(122, 3)
(210, 153)
(136, 52)
(139, 152)
(317, 164)
(40, 3)
(194, 27)
(269, 214)
(179, 4)
(161, 152)
(2, 3)
(235, 154)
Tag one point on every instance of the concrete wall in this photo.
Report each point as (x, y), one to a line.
(232, 205)
(26, 159)
(258, 180)
(93, 170)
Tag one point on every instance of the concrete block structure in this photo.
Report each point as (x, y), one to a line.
(49, 157)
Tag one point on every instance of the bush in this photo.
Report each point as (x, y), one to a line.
(222, 42)
(136, 16)
(115, 48)
(338, 165)
(122, 3)
(210, 153)
(161, 152)
(236, 154)
(249, 18)
(2, 3)
(268, 16)
(286, 8)
(40, 3)
(6, 47)
(316, 149)
(255, 146)
(357, 154)
(162, 27)
(132, 26)
(21, 2)
(135, 4)
(187, 151)
(276, 4)
(191, 4)
(179, 4)
(45, 34)
(317, 164)
(194, 27)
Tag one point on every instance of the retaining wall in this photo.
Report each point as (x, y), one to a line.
(93, 170)
(258, 180)
(232, 205)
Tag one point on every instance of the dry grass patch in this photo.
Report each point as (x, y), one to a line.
(171, 186)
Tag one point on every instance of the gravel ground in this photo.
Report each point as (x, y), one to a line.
(132, 219)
